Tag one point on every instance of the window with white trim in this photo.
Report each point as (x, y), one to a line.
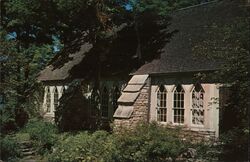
(162, 104)
(198, 105)
(48, 100)
(178, 105)
(63, 90)
(56, 98)
(94, 101)
(116, 95)
(105, 102)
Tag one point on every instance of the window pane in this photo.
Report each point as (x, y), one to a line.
(162, 104)
(179, 105)
(197, 105)
(48, 100)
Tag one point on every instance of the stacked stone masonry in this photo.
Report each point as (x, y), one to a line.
(140, 112)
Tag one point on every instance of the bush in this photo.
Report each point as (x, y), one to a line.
(42, 133)
(84, 147)
(9, 148)
(148, 143)
(235, 145)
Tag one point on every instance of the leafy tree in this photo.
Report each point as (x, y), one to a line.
(230, 43)
(14, 87)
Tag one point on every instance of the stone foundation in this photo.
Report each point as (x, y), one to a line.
(197, 136)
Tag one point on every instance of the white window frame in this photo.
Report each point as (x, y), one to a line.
(115, 96)
(160, 107)
(48, 107)
(56, 100)
(192, 109)
(98, 97)
(173, 105)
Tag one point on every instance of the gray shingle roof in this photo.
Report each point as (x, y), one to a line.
(192, 24)
(51, 73)
(61, 66)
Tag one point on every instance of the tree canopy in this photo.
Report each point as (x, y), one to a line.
(32, 31)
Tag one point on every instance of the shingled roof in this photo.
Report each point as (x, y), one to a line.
(71, 59)
(52, 72)
(192, 24)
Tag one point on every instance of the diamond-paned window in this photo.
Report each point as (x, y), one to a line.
(198, 105)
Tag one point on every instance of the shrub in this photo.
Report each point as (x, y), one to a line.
(9, 148)
(148, 143)
(235, 148)
(42, 133)
(84, 147)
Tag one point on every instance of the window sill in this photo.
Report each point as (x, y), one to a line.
(51, 114)
(196, 126)
(178, 124)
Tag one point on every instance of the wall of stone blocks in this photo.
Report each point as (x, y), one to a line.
(140, 112)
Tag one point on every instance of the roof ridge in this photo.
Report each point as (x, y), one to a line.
(198, 5)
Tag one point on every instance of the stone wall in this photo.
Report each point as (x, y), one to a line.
(140, 112)
(197, 136)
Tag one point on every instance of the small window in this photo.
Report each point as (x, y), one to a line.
(116, 95)
(162, 104)
(94, 101)
(197, 105)
(48, 100)
(63, 90)
(56, 97)
(179, 105)
(105, 102)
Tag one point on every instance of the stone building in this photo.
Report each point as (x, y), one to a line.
(164, 90)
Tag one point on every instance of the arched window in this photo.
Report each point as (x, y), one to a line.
(56, 97)
(116, 95)
(197, 105)
(162, 104)
(179, 105)
(94, 101)
(48, 100)
(63, 90)
(105, 102)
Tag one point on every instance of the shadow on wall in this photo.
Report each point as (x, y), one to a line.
(73, 113)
